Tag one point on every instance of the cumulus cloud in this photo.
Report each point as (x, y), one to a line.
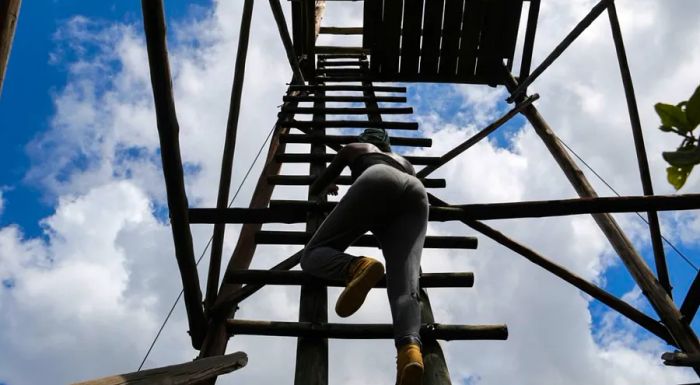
(88, 296)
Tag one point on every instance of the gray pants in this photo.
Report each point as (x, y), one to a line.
(394, 206)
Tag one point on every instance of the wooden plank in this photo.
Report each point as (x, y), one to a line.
(472, 21)
(168, 134)
(348, 110)
(9, 13)
(270, 237)
(365, 331)
(432, 31)
(451, 32)
(387, 125)
(410, 37)
(344, 56)
(270, 277)
(341, 30)
(339, 63)
(488, 67)
(391, 37)
(372, 16)
(509, 32)
(345, 139)
(305, 180)
(187, 373)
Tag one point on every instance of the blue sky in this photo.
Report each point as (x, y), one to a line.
(35, 85)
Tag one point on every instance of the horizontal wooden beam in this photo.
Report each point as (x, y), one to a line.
(345, 139)
(345, 87)
(348, 110)
(301, 238)
(680, 359)
(307, 180)
(538, 209)
(187, 373)
(306, 158)
(340, 63)
(271, 277)
(364, 331)
(341, 30)
(342, 56)
(342, 98)
(353, 124)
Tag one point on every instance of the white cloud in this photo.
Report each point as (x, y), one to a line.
(88, 296)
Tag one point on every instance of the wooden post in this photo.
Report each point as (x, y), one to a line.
(287, 41)
(9, 13)
(559, 49)
(187, 373)
(654, 227)
(312, 352)
(229, 149)
(659, 299)
(168, 131)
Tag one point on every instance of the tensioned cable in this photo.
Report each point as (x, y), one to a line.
(638, 214)
(167, 318)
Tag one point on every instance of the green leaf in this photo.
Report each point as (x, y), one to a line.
(692, 109)
(665, 128)
(672, 116)
(688, 156)
(677, 176)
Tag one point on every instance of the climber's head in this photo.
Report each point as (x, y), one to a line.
(377, 137)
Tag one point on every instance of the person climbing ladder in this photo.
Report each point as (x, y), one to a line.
(387, 199)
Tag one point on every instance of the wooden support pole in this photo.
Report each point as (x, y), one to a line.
(217, 337)
(575, 33)
(654, 227)
(229, 149)
(691, 301)
(168, 131)
(277, 12)
(528, 45)
(663, 304)
(312, 351)
(187, 373)
(681, 359)
(477, 137)
(9, 13)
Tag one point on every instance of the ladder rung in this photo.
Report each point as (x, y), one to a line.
(307, 158)
(274, 277)
(340, 71)
(341, 79)
(348, 110)
(340, 63)
(343, 55)
(345, 139)
(363, 331)
(345, 87)
(268, 237)
(341, 98)
(341, 30)
(352, 124)
(306, 180)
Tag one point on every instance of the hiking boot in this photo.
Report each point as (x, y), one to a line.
(409, 365)
(363, 274)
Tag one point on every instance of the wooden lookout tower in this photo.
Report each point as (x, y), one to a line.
(399, 41)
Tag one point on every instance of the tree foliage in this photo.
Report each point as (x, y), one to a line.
(681, 119)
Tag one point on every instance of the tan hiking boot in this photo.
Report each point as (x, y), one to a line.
(409, 365)
(363, 274)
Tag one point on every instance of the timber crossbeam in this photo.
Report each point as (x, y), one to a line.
(364, 331)
(272, 277)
